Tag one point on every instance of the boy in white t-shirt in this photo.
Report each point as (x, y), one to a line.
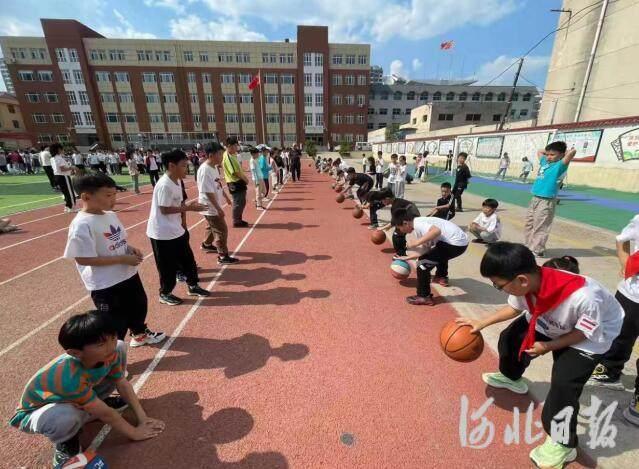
(256, 176)
(379, 171)
(211, 193)
(400, 180)
(608, 372)
(393, 171)
(486, 226)
(442, 239)
(169, 238)
(97, 241)
(572, 316)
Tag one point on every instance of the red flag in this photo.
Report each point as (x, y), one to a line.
(447, 45)
(255, 82)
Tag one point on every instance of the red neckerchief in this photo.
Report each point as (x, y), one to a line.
(632, 266)
(556, 286)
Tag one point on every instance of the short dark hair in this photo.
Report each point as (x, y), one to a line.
(384, 193)
(85, 329)
(253, 151)
(463, 154)
(394, 155)
(557, 146)
(567, 263)
(174, 156)
(401, 215)
(446, 185)
(507, 260)
(55, 148)
(212, 147)
(380, 152)
(92, 183)
(492, 203)
(231, 141)
(350, 170)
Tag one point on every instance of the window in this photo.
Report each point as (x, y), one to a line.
(337, 60)
(38, 54)
(289, 118)
(84, 98)
(166, 77)
(348, 138)
(107, 97)
(66, 77)
(350, 118)
(383, 111)
(488, 97)
(166, 56)
(450, 96)
(245, 98)
(476, 97)
(227, 78)
(173, 118)
(501, 97)
(515, 97)
(308, 99)
(155, 118)
(463, 96)
(188, 56)
(61, 55)
(308, 119)
(349, 80)
(245, 78)
(229, 99)
(249, 138)
(102, 76)
(152, 98)
(121, 77)
(319, 120)
(117, 55)
(193, 97)
(88, 118)
(371, 111)
(73, 55)
(527, 97)
(149, 77)
(77, 118)
(273, 138)
(210, 118)
(360, 118)
(204, 56)
(272, 118)
(224, 57)
(287, 79)
(410, 96)
(34, 97)
(112, 117)
(77, 77)
(350, 60)
(496, 117)
(337, 79)
(397, 112)
(350, 99)
(62, 138)
(361, 80)
(39, 118)
(384, 96)
(407, 111)
(337, 119)
(361, 99)
(512, 112)
(437, 96)
(370, 126)
(308, 79)
(125, 97)
(319, 100)
(248, 118)
(288, 99)
(170, 98)
(130, 118)
(473, 117)
(319, 80)
(145, 55)
(45, 138)
(398, 95)
(362, 60)
(337, 99)
(423, 96)
(242, 57)
(196, 120)
(46, 75)
(523, 112)
(117, 138)
(271, 98)
(445, 117)
(424, 118)
(206, 78)
(270, 78)
(286, 58)
(319, 59)
(190, 77)
(230, 117)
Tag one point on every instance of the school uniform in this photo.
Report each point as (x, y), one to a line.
(63, 179)
(564, 303)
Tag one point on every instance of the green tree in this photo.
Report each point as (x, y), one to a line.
(310, 148)
(345, 148)
(393, 133)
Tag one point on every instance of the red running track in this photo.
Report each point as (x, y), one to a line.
(305, 355)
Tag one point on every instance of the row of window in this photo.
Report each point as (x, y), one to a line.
(348, 80)
(169, 137)
(16, 124)
(33, 52)
(146, 55)
(450, 96)
(85, 118)
(384, 111)
(49, 97)
(48, 138)
(349, 59)
(319, 120)
(67, 55)
(336, 138)
(338, 99)
(348, 118)
(40, 75)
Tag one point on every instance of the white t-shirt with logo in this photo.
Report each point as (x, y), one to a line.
(630, 287)
(58, 162)
(99, 236)
(209, 180)
(166, 193)
(592, 309)
(450, 232)
(492, 224)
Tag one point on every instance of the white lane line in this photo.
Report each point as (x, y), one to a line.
(99, 438)
(31, 202)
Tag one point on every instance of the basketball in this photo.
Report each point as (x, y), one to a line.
(378, 237)
(459, 343)
(400, 269)
(340, 198)
(358, 212)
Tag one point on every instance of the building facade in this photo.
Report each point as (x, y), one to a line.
(12, 130)
(377, 75)
(4, 71)
(76, 85)
(459, 103)
(610, 89)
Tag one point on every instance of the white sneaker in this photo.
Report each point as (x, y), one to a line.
(68, 210)
(147, 338)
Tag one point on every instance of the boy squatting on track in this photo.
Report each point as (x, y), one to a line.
(572, 316)
(76, 387)
(364, 182)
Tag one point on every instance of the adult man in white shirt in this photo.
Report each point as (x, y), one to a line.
(63, 171)
(45, 162)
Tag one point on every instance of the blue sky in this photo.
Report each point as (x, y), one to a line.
(404, 34)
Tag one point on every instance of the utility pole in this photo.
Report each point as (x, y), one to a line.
(510, 98)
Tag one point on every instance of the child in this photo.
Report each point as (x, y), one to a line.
(462, 176)
(567, 263)
(6, 226)
(420, 162)
(77, 386)
(265, 168)
(393, 173)
(572, 316)
(107, 264)
(152, 167)
(62, 172)
(370, 167)
(133, 172)
(379, 171)
(525, 169)
(256, 175)
(609, 370)
(400, 182)
(211, 193)
(504, 163)
(553, 163)
(385, 197)
(364, 163)
(445, 208)
(169, 238)
(487, 226)
(445, 241)
(363, 181)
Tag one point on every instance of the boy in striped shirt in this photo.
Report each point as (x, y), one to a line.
(76, 387)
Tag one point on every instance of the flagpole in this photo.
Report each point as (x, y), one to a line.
(262, 106)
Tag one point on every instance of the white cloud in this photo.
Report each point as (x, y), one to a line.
(226, 29)
(417, 64)
(533, 64)
(175, 5)
(124, 29)
(10, 26)
(397, 68)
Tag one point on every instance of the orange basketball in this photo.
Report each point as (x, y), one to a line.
(358, 212)
(340, 198)
(378, 237)
(459, 343)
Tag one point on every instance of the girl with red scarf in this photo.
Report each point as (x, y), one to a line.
(572, 316)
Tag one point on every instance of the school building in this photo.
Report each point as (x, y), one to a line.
(75, 85)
